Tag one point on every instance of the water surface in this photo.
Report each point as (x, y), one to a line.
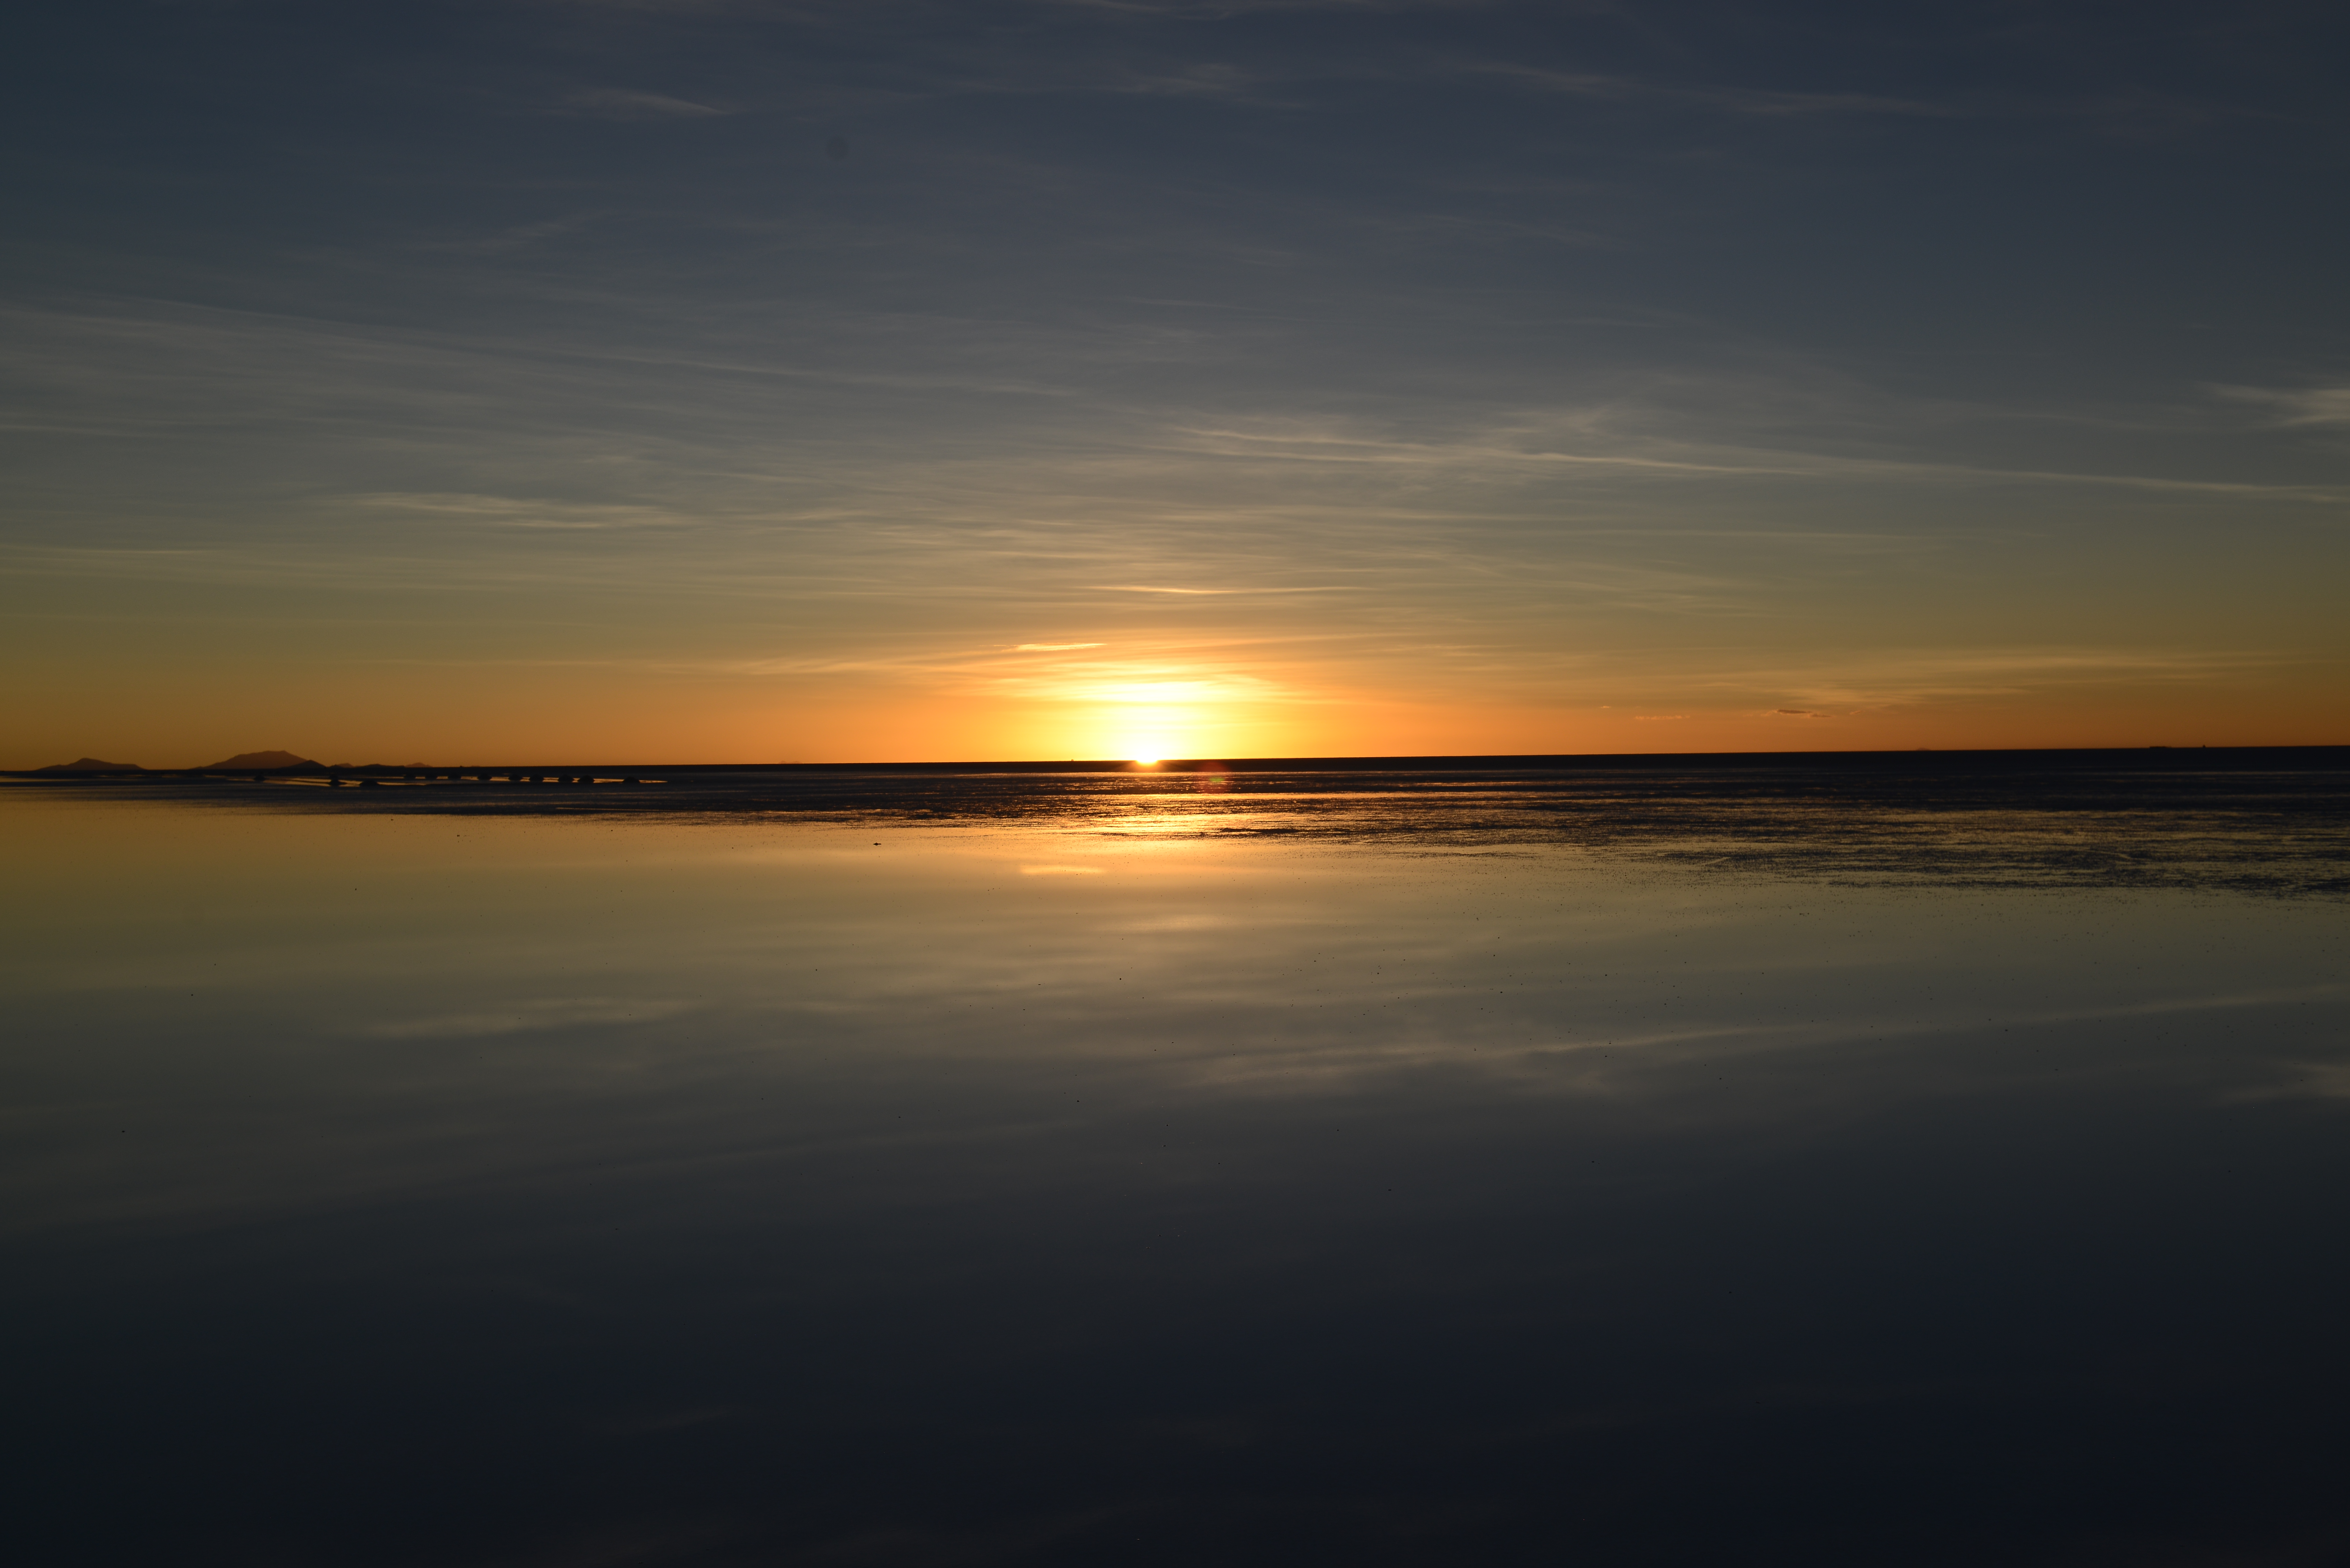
(940, 1174)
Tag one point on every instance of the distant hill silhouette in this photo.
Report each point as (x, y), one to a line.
(265, 759)
(91, 766)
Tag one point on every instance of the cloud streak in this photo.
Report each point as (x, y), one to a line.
(625, 103)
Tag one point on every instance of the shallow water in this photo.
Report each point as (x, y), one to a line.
(1669, 1177)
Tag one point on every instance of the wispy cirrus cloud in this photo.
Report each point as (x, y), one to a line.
(1740, 100)
(628, 103)
(514, 237)
(1629, 439)
(559, 1013)
(1866, 678)
(2323, 405)
(1159, 588)
(523, 512)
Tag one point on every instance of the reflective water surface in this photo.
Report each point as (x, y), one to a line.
(905, 1181)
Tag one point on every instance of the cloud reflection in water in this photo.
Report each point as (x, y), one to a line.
(754, 1191)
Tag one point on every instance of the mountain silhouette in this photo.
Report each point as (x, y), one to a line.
(91, 766)
(265, 759)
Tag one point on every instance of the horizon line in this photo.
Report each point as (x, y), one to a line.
(1484, 761)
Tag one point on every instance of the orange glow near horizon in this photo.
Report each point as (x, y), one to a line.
(382, 711)
(931, 457)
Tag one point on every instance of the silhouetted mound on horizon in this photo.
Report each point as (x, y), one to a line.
(265, 759)
(90, 765)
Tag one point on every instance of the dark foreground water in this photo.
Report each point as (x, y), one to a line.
(1428, 1170)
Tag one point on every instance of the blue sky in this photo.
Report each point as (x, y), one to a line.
(440, 381)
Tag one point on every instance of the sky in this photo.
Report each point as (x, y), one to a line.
(752, 381)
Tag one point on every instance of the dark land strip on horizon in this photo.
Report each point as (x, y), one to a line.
(1912, 760)
(2269, 820)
